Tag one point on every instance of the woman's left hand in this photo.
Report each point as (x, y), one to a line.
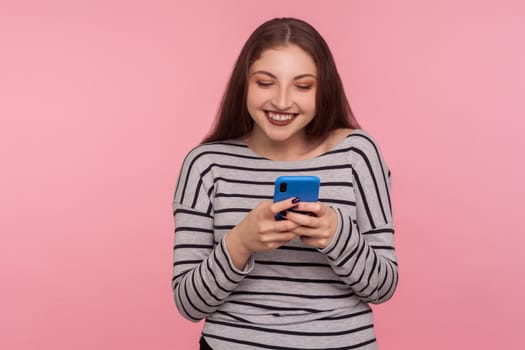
(316, 231)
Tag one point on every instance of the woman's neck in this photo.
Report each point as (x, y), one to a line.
(298, 148)
(295, 148)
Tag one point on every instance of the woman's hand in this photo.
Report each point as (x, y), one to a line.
(316, 231)
(259, 231)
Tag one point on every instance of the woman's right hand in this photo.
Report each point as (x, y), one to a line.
(259, 231)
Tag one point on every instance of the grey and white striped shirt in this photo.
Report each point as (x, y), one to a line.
(295, 297)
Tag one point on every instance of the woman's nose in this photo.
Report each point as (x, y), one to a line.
(282, 100)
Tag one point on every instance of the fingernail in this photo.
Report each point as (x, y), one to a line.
(296, 200)
(283, 213)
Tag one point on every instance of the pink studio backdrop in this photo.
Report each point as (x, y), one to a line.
(101, 100)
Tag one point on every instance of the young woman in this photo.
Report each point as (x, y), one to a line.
(301, 283)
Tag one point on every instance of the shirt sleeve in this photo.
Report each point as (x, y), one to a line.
(362, 251)
(203, 272)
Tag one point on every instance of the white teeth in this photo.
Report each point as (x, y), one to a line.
(280, 117)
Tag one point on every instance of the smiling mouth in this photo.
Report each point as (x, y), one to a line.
(280, 118)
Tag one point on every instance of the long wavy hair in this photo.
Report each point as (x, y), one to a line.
(332, 110)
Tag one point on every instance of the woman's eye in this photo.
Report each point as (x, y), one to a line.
(264, 83)
(304, 86)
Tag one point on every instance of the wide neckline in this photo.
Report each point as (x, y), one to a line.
(339, 145)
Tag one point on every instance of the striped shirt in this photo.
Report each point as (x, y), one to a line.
(295, 297)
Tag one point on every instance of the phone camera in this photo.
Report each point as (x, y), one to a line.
(283, 187)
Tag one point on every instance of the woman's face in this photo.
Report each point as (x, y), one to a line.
(281, 93)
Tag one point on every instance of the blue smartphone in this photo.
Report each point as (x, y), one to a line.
(306, 188)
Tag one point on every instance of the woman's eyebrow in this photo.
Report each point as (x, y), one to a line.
(274, 77)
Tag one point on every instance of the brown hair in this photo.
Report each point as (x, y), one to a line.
(331, 104)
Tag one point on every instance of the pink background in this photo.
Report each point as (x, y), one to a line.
(101, 100)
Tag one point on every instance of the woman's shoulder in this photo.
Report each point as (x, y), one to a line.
(361, 145)
(364, 149)
(212, 151)
(218, 146)
(360, 139)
